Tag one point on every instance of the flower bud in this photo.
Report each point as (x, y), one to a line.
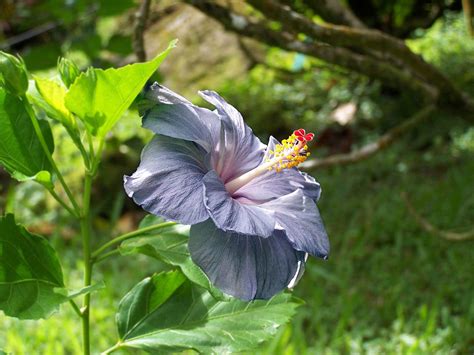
(13, 75)
(68, 71)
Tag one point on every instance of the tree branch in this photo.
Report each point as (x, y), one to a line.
(428, 227)
(370, 149)
(365, 39)
(466, 7)
(333, 11)
(141, 17)
(335, 55)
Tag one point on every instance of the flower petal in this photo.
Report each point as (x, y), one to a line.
(176, 117)
(242, 150)
(231, 215)
(244, 266)
(168, 181)
(272, 184)
(298, 215)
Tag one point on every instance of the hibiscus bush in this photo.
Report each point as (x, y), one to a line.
(233, 219)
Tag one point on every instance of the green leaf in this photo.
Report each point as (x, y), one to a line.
(31, 279)
(86, 290)
(166, 283)
(20, 150)
(169, 245)
(192, 319)
(43, 177)
(53, 95)
(100, 97)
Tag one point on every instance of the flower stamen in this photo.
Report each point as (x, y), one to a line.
(289, 154)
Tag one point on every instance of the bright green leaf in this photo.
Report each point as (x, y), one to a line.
(169, 245)
(100, 97)
(53, 95)
(31, 279)
(20, 150)
(43, 177)
(192, 319)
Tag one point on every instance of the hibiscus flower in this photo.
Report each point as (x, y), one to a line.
(253, 214)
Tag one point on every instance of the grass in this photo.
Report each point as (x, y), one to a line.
(388, 287)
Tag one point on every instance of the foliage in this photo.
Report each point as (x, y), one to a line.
(31, 279)
(101, 97)
(199, 321)
(88, 106)
(84, 30)
(169, 245)
(20, 148)
(448, 46)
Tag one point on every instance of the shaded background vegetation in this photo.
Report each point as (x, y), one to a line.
(390, 285)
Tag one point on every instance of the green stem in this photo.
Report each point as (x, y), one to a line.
(104, 256)
(48, 154)
(75, 308)
(130, 235)
(86, 239)
(112, 349)
(78, 143)
(71, 211)
(96, 161)
(91, 143)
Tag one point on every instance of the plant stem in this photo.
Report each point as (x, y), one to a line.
(112, 349)
(76, 139)
(133, 234)
(104, 256)
(71, 211)
(48, 154)
(75, 308)
(86, 236)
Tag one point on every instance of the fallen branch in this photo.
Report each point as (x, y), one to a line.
(428, 227)
(370, 149)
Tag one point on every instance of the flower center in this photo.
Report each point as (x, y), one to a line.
(289, 154)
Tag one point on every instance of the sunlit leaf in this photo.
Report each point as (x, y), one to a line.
(100, 97)
(190, 318)
(53, 95)
(31, 279)
(20, 150)
(169, 245)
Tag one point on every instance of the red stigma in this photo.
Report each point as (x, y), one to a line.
(302, 136)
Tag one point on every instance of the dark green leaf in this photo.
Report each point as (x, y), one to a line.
(100, 97)
(20, 150)
(192, 319)
(166, 283)
(31, 279)
(169, 245)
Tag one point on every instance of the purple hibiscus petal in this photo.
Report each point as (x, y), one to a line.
(244, 266)
(168, 182)
(274, 184)
(176, 117)
(240, 150)
(232, 215)
(298, 215)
